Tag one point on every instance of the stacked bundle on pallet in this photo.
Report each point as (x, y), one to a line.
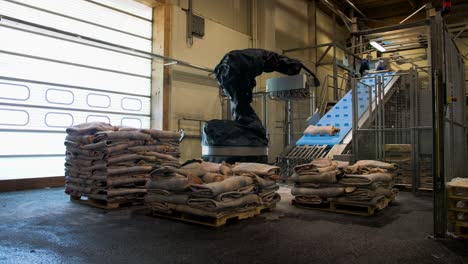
(324, 180)
(458, 205)
(317, 181)
(371, 179)
(400, 154)
(210, 189)
(112, 164)
(425, 172)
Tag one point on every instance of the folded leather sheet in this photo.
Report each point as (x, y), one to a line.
(78, 188)
(102, 144)
(174, 184)
(160, 207)
(123, 192)
(196, 211)
(376, 164)
(309, 185)
(332, 167)
(124, 171)
(271, 199)
(158, 155)
(264, 183)
(85, 139)
(79, 162)
(313, 199)
(320, 192)
(79, 181)
(173, 198)
(321, 130)
(100, 156)
(257, 168)
(118, 135)
(110, 182)
(87, 168)
(156, 148)
(317, 165)
(366, 179)
(207, 204)
(211, 167)
(341, 164)
(325, 177)
(74, 148)
(215, 188)
(362, 194)
(160, 134)
(231, 195)
(268, 192)
(160, 191)
(192, 169)
(213, 177)
(376, 201)
(124, 158)
(89, 128)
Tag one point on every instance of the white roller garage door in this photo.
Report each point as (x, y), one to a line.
(49, 80)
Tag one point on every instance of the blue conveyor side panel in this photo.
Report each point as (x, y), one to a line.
(341, 116)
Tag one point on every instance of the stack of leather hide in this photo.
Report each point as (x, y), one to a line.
(325, 180)
(110, 163)
(371, 179)
(211, 189)
(457, 199)
(317, 181)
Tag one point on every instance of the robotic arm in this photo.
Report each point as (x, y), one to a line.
(237, 71)
(243, 138)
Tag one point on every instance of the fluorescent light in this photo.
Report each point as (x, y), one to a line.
(377, 46)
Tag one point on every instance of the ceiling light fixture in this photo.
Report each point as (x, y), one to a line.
(377, 46)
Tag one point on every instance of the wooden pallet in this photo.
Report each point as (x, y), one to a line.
(212, 221)
(408, 187)
(453, 213)
(461, 195)
(461, 229)
(354, 208)
(105, 204)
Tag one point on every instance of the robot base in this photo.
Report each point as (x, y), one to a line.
(234, 159)
(232, 154)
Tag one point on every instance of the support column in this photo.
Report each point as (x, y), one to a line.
(335, 66)
(312, 53)
(438, 104)
(266, 38)
(161, 76)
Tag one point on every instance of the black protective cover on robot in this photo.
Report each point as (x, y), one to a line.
(236, 76)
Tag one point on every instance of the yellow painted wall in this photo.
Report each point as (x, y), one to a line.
(277, 25)
(194, 94)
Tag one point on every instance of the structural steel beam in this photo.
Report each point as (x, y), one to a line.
(391, 28)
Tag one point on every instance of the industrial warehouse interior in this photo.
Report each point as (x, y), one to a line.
(234, 131)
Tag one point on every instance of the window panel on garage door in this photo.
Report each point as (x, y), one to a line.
(49, 82)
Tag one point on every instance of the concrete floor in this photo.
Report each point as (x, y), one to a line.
(43, 226)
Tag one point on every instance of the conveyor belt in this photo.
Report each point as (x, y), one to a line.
(295, 155)
(309, 148)
(341, 116)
